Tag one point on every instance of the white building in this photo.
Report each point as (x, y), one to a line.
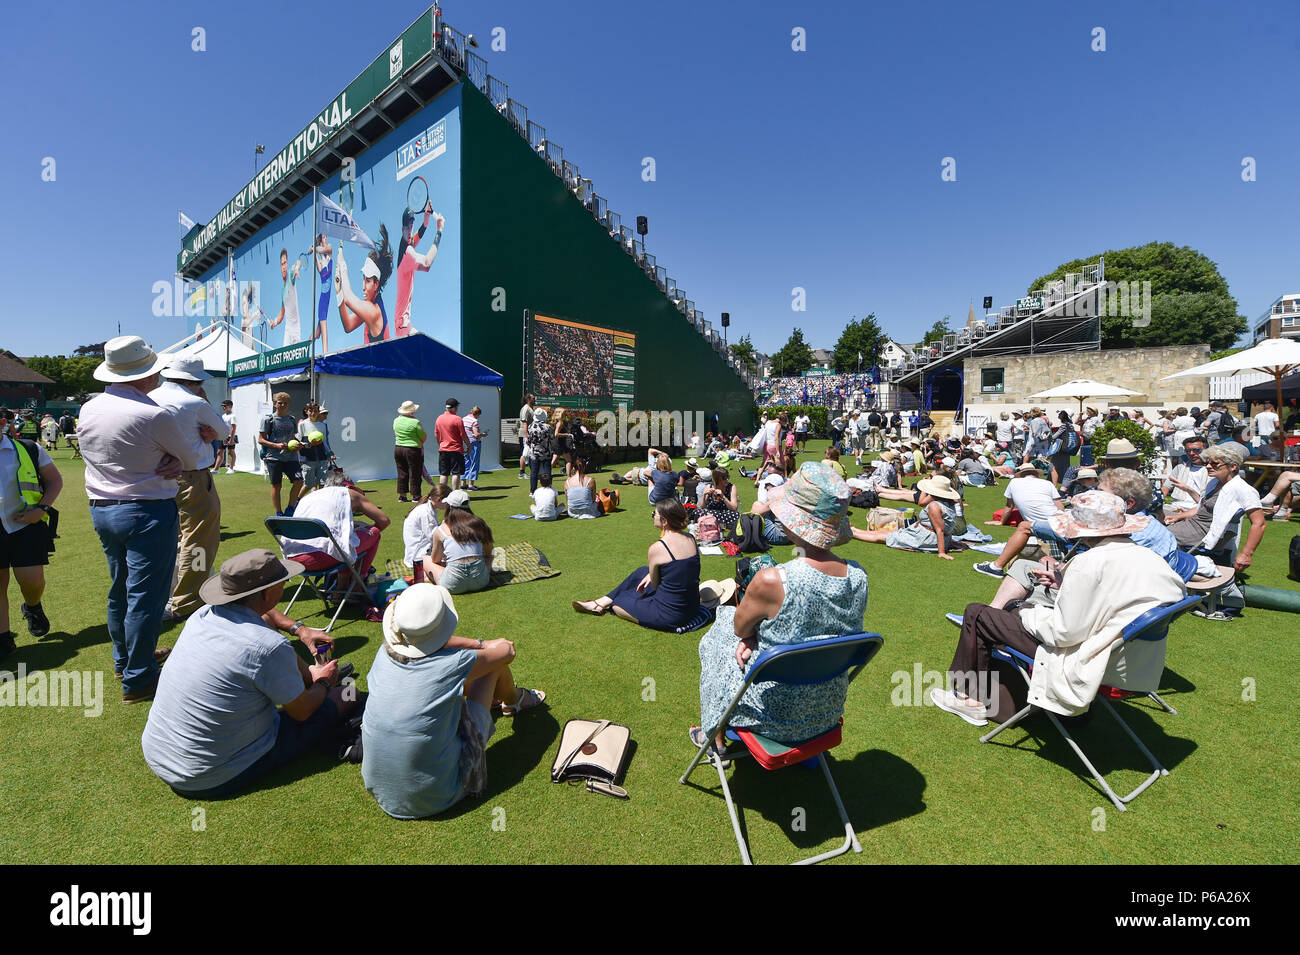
(1282, 320)
(893, 354)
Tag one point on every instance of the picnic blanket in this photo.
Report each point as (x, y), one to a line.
(518, 564)
(994, 549)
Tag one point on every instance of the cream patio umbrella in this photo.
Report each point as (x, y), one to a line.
(1272, 356)
(1081, 388)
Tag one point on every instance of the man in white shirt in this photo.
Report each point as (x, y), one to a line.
(1186, 483)
(181, 393)
(525, 419)
(1019, 432)
(1266, 423)
(226, 457)
(134, 452)
(1040, 430)
(1037, 500)
(801, 424)
(26, 535)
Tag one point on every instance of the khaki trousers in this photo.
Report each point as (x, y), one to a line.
(200, 535)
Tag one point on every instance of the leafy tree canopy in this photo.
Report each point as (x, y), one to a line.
(794, 357)
(938, 330)
(860, 336)
(1190, 303)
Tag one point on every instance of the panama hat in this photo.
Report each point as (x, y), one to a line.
(185, 369)
(813, 505)
(888, 456)
(1096, 514)
(939, 486)
(1120, 448)
(408, 407)
(715, 593)
(420, 621)
(245, 574)
(1026, 468)
(692, 463)
(1085, 473)
(128, 358)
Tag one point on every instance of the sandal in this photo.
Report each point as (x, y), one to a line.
(581, 607)
(528, 699)
(696, 735)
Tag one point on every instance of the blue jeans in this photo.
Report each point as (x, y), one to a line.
(139, 541)
(471, 461)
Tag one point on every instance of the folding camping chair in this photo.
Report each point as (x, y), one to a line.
(307, 528)
(798, 664)
(1151, 626)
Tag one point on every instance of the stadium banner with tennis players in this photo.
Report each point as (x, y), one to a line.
(576, 365)
(374, 255)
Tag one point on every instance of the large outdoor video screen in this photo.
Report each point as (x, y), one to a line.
(574, 365)
(294, 280)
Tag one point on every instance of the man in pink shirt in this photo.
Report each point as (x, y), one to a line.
(449, 429)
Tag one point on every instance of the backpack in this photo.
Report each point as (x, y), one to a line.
(607, 500)
(1227, 424)
(1071, 442)
(1295, 558)
(748, 534)
(865, 499)
(707, 530)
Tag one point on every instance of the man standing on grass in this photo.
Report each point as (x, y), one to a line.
(29, 484)
(449, 429)
(134, 453)
(196, 498)
(278, 429)
(525, 421)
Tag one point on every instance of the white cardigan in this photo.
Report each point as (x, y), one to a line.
(1104, 589)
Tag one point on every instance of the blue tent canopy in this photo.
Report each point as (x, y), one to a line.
(417, 357)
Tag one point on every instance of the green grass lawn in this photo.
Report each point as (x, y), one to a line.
(916, 782)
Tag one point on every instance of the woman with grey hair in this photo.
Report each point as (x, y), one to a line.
(1212, 526)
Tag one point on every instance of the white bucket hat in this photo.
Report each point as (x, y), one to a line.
(128, 358)
(420, 621)
(185, 369)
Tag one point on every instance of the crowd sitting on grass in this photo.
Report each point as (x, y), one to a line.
(235, 702)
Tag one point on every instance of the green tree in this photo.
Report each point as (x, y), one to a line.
(861, 336)
(1190, 303)
(794, 357)
(938, 330)
(744, 352)
(71, 376)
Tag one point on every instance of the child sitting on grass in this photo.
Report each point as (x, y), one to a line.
(544, 498)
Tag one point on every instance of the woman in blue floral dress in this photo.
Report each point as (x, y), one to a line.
(816, 595)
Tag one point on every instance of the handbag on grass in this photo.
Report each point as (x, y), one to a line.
(594, 750)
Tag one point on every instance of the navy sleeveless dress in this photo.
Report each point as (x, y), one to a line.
(672, 603)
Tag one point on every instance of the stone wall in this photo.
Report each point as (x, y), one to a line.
(1137, 369)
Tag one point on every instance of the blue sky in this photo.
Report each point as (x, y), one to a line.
(775, 168)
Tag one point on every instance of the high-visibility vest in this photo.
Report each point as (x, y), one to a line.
(29, 476)
(29, 428)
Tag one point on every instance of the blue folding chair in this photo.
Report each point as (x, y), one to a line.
(307, 528)
(1152, 626)
(798, 664)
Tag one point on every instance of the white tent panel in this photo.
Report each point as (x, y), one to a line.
(362, 412)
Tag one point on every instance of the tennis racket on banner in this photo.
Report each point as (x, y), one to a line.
(417, 196)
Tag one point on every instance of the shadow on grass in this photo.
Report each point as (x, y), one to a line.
(877, 787)
(55, 649)
(512, 753)
(231, 535)
(1105, 743)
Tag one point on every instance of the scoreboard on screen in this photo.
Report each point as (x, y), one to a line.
(577, 365)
